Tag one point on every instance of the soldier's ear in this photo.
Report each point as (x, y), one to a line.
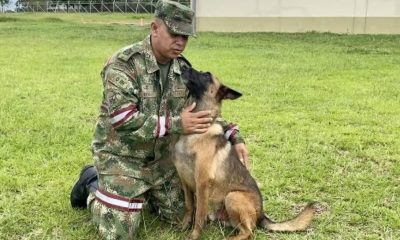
(225, 92)
(154, 27)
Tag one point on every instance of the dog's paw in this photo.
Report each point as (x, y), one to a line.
(186, 222)
(191, 238)
(185, 226)
(194, 236)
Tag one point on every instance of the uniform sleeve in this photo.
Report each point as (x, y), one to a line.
(176, 124)
(122, 103)
(231, 132)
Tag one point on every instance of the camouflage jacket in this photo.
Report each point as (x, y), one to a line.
(138, 115)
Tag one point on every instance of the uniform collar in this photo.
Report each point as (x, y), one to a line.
(150, 59)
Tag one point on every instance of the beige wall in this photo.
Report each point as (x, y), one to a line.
(340, 16)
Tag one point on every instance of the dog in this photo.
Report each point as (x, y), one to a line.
(214, 181)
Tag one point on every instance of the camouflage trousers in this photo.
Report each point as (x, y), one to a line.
(165, 198)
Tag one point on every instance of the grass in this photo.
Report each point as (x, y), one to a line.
(320, 114)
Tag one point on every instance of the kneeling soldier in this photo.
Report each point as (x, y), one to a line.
(142, 110)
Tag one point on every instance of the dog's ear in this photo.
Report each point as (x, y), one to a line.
(225, 92)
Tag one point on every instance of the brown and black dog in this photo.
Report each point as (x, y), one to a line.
(215, 182)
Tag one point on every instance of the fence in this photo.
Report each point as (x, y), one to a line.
(138, 6)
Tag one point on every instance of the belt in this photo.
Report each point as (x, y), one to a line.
(119, 202)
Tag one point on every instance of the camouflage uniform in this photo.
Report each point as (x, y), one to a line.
(139, 117)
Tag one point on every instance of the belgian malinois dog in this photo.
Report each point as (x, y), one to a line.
(215, 182)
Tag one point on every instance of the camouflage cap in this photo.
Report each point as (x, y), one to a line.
(177, 17)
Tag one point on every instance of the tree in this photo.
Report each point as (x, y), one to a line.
(2, 3)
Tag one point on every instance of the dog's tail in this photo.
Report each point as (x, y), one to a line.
(299, 223)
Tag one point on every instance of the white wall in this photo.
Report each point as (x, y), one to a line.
(297, 8)
(341, 16)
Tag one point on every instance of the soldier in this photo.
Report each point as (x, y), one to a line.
(142, 110)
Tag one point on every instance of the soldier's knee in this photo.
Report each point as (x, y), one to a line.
(115, 223)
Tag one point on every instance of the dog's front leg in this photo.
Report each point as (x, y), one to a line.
(202, 194)
(189, 207)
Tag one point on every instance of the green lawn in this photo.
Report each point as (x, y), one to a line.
(320, 114)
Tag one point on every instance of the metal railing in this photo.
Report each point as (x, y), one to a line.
(121, 6)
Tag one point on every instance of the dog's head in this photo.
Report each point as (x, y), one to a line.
(206, 88)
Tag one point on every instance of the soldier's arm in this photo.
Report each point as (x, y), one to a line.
(122, 101)
(231, 132)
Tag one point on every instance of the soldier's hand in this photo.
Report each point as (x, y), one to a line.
(195, 122)
(241, 150)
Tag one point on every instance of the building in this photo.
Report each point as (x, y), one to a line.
(337, 16)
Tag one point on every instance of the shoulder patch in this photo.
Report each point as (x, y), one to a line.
(126, 53)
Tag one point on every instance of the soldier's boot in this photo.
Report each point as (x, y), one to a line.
(86, 183)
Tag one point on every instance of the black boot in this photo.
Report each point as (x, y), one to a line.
(86, 183)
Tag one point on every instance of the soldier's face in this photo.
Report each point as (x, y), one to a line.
(166, 45)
